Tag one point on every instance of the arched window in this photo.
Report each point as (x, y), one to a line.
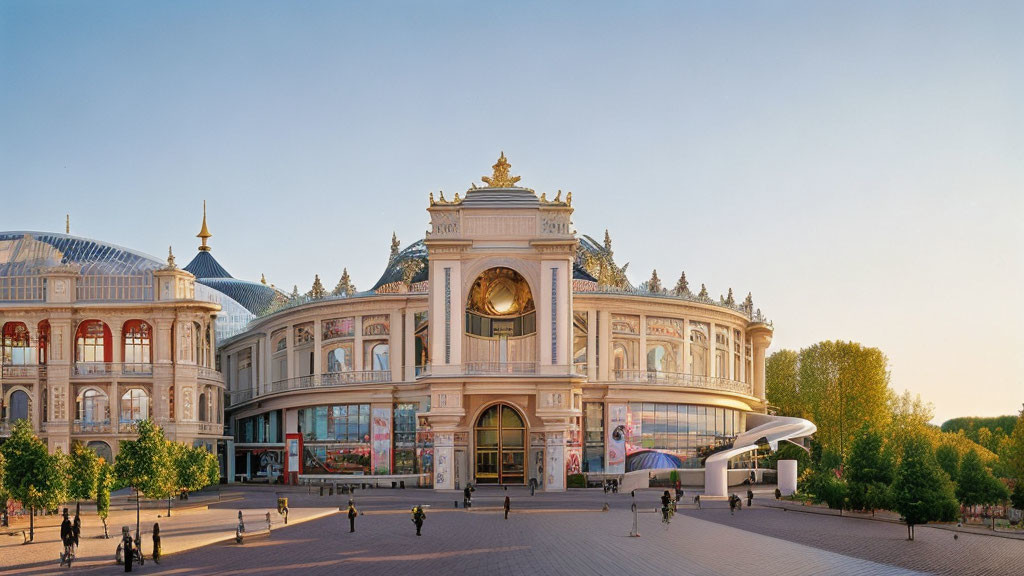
(379, 354)
(698, 352)
(339, 358)
(134, 405)
(621, 358)
(18, 409)
(92, 407)
(138, 348)
(102, 449)
(44, 341)
(16, 344)
(500, 446)
(92, 342)
(202, 407)
(661, 358)
(197, 339)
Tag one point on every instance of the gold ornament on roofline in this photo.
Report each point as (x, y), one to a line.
(170, 259)
(500, 178)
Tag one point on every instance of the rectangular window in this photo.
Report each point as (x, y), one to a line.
(593, 437)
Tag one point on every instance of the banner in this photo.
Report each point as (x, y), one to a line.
(381, 444)
(616, 439)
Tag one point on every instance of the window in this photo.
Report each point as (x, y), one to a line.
(202, 407)
(92, 407)
(137, 342)
(339, 358)
(379, 356)
(134, 405)
(17, 347)
(92, 342)
(593, 437)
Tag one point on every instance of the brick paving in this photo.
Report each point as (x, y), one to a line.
(569, 534)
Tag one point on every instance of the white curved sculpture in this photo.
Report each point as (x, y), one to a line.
(773, 429)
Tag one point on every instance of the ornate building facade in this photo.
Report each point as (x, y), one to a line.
(503, 348)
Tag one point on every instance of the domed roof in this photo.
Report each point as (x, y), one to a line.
(393, 273)
(27, 253)
(253, 296)
(204, 265)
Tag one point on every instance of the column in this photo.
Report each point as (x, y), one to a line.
(642, 364)
(592, 327)
(729, 343)
(289, 335)
(743, 356)
(712, 349)
(317, 349)
(685, 365)
(759, 371)
(357, 347)
(444, 461)
(396, 356)
(409, 346)
(605, 362)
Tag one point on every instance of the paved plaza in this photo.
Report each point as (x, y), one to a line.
(545, 534)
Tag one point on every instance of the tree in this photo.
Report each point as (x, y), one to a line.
(1017, 498)
(782, 372)
(948, 458)
(104, 482)
(31, 474)
(82, 474)
(869, 471)
(845, 385)
(193, 468)
(345, 286)
(922, 492)
(317, 291)
(654, 284)
(976, 484)
(145, 465)
(1013, 451)
(909, 416)
(682, 286)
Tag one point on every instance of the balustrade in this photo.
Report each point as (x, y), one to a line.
(684, 380)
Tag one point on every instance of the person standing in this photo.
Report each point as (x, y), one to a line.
(156, 542)
(76, 531)
(67, 538)
(417, 518)
(750, 498)
(467, 496)
(129, 548)
(696, 500)
(665, 499)
(508, 504)
(352, 513)
(732, 504)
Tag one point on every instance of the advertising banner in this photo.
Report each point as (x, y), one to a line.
(292, 459)
(381, 444)
(616, 439)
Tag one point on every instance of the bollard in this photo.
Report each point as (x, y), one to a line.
(394, 484)
(321, 489)
(402, 484)
(456, 503)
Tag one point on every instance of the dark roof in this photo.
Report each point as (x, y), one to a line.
(500, 197)
(415, 251)
(253, 296)
(204, 265)
(25, 253)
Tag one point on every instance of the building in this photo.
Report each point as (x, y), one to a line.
(96, 337)
(502, 348)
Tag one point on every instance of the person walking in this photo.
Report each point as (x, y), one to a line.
(352, 513)
(67, 538)
(156, 542)
(665, 500)
(508, 504)
(696, 500)
(732, 504)
(417, 518)
(467, 496)
(76, 531)
(750, 498)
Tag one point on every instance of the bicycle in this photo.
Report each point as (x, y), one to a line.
(68, 555)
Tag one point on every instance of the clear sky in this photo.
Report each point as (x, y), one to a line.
(858, 166)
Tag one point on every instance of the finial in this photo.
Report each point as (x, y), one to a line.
(442, 201)
(263, 279)
(457, 198)
(204, 234)
(568, 198)
(500, 178)
(431, 198)
(558, 197)
(544, 197)
(170, 259)
(67, 223)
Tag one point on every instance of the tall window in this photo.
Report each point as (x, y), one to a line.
(339, 358)
(202, 407)
(137, 342)
(44, 340)
(17, 348)
(593, 437)
(92, 407)
(92, 342)
(134, 405)
(197, 338)
(379, 354)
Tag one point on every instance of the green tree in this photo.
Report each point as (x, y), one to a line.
(1017, 498)
(922, 492)
(782, 372)
(949, 460)
(1013, 450)
(31, 474)
(845, 385)
(909, 417)
(104, 482)
(193, 466)
(869, 472)
(145, 465)
(83, 472)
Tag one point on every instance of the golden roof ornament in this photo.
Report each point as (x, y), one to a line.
(263, 279)
(170, 259)
(500, 178)
(204, 233)
(67, 223)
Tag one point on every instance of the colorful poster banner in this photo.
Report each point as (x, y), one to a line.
(381, 444)
(616, 439)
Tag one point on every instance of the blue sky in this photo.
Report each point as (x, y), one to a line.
(857, 166)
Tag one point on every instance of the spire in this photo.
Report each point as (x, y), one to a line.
(263, 279)
(204, 234)
(67, 223)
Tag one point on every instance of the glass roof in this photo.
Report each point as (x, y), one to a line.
(26, 253)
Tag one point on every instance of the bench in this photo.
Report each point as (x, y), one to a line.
(258, 525)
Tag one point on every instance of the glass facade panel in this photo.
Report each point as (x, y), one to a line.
(676, 435)
(593, 437)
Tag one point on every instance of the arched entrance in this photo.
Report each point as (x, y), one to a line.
(500, 443)
(19, 406)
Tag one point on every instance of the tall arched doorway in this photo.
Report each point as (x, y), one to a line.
(19, 406)
(500, 446)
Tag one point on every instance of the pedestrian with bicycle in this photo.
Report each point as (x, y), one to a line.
(67, 538)
(156, 542)
(417, 518)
